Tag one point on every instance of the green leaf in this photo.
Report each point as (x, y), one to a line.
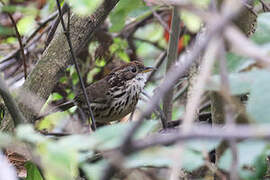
(26, 10)
(192, 21)
(26, 24)
(152, 32)
(2, 112)
(202, 145)
(121, 11)
(260, 168)
(253, 82)
(84, 7)
(154, 157)
(32, 171)
(162, 157)
(248, 154)
(106, 137)
(201, 3)
(59, 162)
(124, 56)
(259, 98)
(63, 79)
(191, 159)
(56, 96)
(6, 31)
(239, 82)
(262, 33)
(90, 75)
(27, 133)
(235, 63)
(75, 78)
(94, 171)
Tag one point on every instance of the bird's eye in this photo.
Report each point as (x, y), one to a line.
(133, 69)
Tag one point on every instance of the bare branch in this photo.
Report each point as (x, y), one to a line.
(16, 114)
(244, 46)
(203, 132)
(197, 91)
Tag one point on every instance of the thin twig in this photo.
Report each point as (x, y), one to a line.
(197, 91)
(265, 5)
(181, 91)
(41, 25)
(20, 42)
(159, 18)
(246, 47)
(54, 134)
(158, 63)
(93, 123)
(228, 109)
(250, 8)
(155, 44)
(203, 132)
(159, 110)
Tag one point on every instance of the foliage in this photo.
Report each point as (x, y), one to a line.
(32, 172)
(84, 7)
(122, 11)
(132, 30)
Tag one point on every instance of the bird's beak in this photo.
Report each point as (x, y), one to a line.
(147, 69)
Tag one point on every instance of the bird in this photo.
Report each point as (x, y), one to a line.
(114, 96)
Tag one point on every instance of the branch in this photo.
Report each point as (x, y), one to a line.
(203, 132)
(155, 44)
(265, 5)
(171, 57)
(11, 104)
(243, 46)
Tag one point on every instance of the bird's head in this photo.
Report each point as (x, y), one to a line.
(134, 71)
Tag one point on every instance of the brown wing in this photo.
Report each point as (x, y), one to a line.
(97, 93)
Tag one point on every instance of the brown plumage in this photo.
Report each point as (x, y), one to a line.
(117, 94)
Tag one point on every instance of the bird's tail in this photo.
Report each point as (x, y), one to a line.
(65, 106)
(61, 107)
